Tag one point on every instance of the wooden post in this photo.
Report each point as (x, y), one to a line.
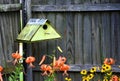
(28, 9)
(29, 76)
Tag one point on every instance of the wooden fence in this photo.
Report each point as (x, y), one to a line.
(90, 31)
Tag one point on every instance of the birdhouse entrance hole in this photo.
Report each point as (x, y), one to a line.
(45, 27)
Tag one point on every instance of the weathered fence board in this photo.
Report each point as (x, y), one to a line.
(70, 37)
(60, 8)
(79, 67)
(1, 47)
(75, 1)
(87, 39)
(9, 27)
(9, 1)
(78, 28)
(78, 1)
(117, 36)
(76, 8)
(105, 35)
(51, 2)
(96, 39)
(59, 25)
(10, 7)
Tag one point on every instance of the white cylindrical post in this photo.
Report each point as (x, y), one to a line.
(21, 50)
(21, 44)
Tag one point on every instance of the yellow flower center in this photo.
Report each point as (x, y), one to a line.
(93, 70)
(90, 76)
(84, 72)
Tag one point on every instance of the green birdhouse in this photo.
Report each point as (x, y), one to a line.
(37, 30)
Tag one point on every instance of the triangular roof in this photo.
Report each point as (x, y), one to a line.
(37, 30)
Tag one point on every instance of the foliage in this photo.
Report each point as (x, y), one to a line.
(18, 67)
(15, 75)
(50, 77)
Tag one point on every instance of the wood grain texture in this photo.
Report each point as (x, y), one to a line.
(96, 39)
(10, 7)
(115, 20)
(1, 47)
(95, 1)
(79, 67)
(105, 1)
(9, 33)
(118, 25)
(43, 2)
(51, 44)
(61, 2)
(113, 45)
(61, 28)
(9, 1)
(106, 35)
(70, 37)
(78, 1)
(78, 28)
(39, 2)
(114, 1)
(51, 2)
(87, 39)
(87, 1)
(3, 37)
(28, 9)
(76, 8)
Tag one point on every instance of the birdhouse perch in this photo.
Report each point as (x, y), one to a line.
(37, 30)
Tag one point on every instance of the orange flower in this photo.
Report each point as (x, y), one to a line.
(57, 65)
(65, 68)
(29, 60)
(109, 61)
(1, 69)
(60, 62)
(63, 59)
(16, 56)
(46, 68)
(43, 59)
(115, 78)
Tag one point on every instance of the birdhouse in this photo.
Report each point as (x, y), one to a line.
(37, 30)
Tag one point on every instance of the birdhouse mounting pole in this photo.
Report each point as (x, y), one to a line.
(21, 44)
